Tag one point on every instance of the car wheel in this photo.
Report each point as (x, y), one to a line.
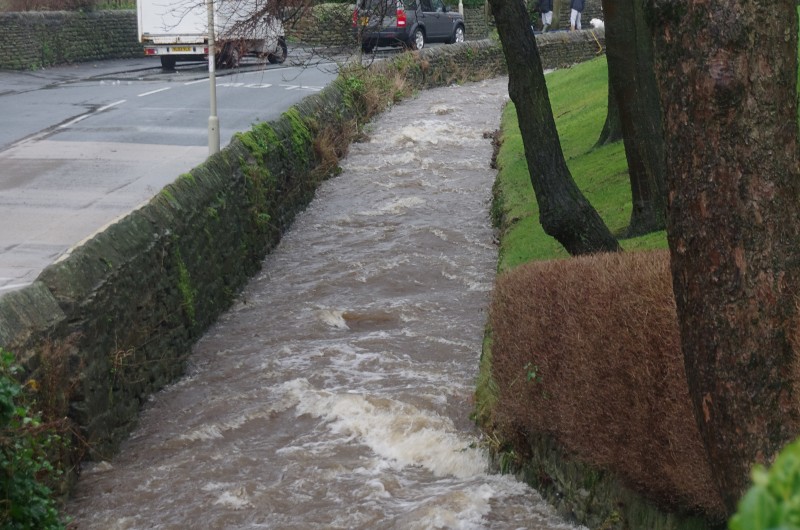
(418, 40)
(167, 62)
(280, 56)
(367, 46)
(458, 35)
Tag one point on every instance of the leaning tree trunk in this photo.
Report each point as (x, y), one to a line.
(564, 212)
(728, 72)
(612, 128)
(629, 49)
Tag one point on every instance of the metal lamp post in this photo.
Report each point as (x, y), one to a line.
(213, 120)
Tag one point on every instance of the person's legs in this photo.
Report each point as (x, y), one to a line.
(547, 19)
(578, 21)
(573, 14)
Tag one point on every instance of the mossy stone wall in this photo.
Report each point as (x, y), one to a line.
(592, 497)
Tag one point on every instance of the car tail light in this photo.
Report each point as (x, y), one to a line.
(150, 51)
(355, 17)
(401, 17)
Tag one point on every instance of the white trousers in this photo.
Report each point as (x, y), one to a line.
(547, 18)
(575, 19)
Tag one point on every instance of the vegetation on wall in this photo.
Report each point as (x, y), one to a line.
(26, 444)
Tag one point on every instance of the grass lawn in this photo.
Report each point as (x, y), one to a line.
(578, 97)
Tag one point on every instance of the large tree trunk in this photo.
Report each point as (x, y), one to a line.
(629, 49)
(727, 72)
(564, 212)
(612, 128)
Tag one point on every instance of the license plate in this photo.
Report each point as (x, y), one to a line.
(181, 48)
(364, 21)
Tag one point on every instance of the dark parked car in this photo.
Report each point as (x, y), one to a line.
(409, 23)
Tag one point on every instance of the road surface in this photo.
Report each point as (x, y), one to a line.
(83, 145)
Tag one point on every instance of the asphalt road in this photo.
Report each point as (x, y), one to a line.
(83, 145)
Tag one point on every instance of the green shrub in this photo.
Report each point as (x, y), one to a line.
(773, 502)
(25, 502)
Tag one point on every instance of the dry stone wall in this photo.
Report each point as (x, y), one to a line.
(34, 40)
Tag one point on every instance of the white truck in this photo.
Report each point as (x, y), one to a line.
(177, 30)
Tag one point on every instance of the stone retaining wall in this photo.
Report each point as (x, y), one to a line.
(592, 497)
(328, 25)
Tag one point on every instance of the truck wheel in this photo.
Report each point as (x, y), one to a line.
(280, 55)
(167, 62)
(230, 56)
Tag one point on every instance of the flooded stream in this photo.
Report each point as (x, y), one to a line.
(336, 393)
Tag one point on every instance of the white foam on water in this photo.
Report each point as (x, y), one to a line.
(332, 317)
(124, 523)
(212, 431)
(443, 109)
(394, 207)
(428, 132)
(462, 509)
(236, 499)
(367, 161)
(397, 431)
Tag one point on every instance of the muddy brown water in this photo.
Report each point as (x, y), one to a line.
(336, 393)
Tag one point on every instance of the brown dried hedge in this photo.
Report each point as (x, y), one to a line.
(587, 350)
